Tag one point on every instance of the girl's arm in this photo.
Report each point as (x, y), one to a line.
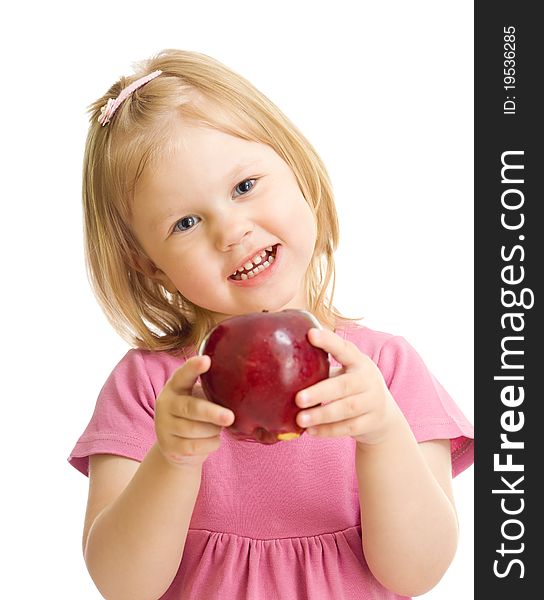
(408, 517)
(138, 515)
(407, 510)
(134, 537)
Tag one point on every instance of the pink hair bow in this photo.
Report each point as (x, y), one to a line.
(108, 110)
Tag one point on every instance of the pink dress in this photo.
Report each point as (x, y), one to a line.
(278, 522)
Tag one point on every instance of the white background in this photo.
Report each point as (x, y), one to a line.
(383, 90)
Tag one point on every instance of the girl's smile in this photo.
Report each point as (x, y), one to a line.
(224, 222)
(256, 271)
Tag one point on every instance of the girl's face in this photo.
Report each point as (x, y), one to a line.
(214, 204)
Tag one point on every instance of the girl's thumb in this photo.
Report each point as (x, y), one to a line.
(184, 378)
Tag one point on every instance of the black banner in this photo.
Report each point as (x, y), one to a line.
(509, 257)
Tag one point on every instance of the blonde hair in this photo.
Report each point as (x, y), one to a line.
(141, 310)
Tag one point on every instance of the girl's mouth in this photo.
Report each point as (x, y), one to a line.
(260, 264)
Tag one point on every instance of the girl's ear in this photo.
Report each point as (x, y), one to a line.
(144, 265)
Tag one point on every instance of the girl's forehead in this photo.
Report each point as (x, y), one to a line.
(200, 158)
(189, 136)
(199, 149)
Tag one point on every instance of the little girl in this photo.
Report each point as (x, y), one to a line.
(202, 201)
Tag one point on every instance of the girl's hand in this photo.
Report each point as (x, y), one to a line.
(188, 426)
(354, 401)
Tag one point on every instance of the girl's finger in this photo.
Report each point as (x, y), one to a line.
(329, 390)
(345, 352)
(183, 428)
(348, 427)
(198, 409)
(184, 378)
(346, 408)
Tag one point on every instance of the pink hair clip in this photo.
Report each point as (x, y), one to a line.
(108, 110)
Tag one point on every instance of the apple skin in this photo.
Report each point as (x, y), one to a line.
(259, 361)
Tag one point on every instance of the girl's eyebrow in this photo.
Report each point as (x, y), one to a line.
(235, 171)
(241, 166)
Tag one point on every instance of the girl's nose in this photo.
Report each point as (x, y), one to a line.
(232, 231)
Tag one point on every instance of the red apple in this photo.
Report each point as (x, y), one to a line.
(259, 361)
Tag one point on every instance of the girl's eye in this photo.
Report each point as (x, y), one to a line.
(186, 223)
(245, 186)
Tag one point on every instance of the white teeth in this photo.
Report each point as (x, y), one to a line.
(255, 266)
(256, 260)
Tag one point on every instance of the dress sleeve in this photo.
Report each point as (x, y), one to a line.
(428, 408)
(123, 419)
